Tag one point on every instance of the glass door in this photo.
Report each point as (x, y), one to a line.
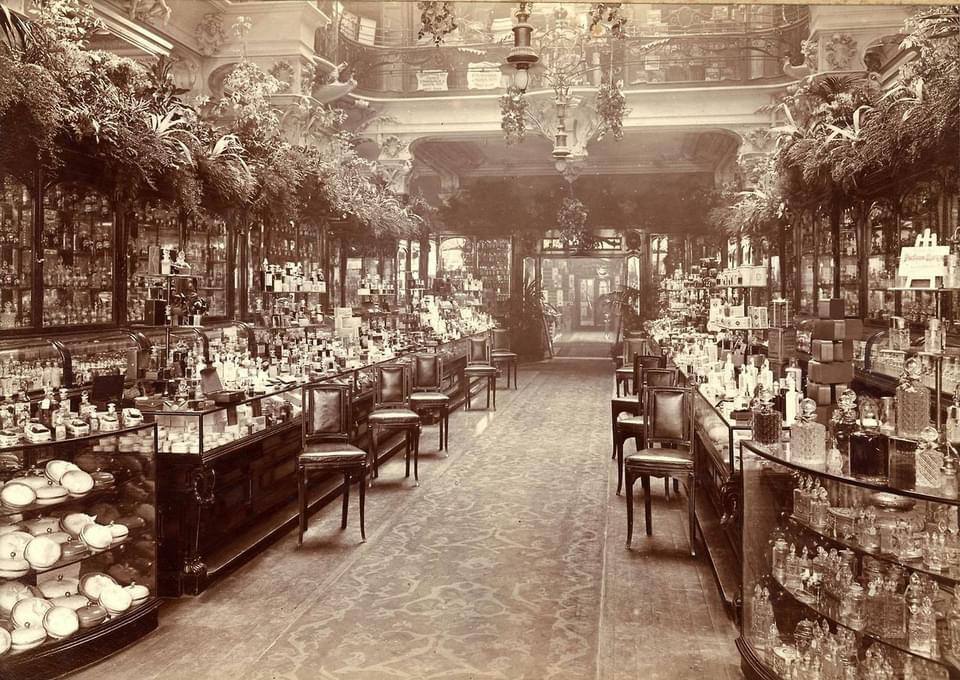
(807, 259)
(918, 212)
(16, 253)
(849, 263)
(883, 249)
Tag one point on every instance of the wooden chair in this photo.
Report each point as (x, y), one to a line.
(502, 354)
(479, 366)
(427, 394)
(391, 412)
(327, 428)
(669, 415)
(624, 374)
(634, 426)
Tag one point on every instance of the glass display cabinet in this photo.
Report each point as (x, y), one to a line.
(207, 431)
(78, 256)
(206, 247)
(91, 358)
(88, 540)
(823, 233)
(848, 577)
(808, 250)
(228, 336)
(883, 251)
(849, 263)
(16, 253)
(285, 275)
(28, 365)
(151, 223)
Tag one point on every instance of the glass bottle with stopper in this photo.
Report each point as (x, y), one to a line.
(953, 419)
(868, 446)
(808, 438)
(766, 419)
(843, 422)
(913, 401)
(929, 459)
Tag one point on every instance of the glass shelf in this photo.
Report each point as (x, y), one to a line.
(799, 577)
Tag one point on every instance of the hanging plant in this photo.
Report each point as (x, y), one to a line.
(513, 112)
(611, 107)
(572, 221)
(607, 15)
(436, 19)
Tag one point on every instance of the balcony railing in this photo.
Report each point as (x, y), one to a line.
(707, 44)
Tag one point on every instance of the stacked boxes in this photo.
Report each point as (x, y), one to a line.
(830, 370)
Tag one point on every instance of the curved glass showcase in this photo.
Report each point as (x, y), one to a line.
(28, 365)
(846, 576)
(86, 545)
(95, 357)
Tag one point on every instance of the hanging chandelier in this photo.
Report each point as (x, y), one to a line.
(560, 57)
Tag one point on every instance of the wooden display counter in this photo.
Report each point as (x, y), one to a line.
(218, 509)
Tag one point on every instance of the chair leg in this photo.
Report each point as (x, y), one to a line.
(692, 512)
(406, 451)
(346, 501)
(647, 503)
(630, 480)
(416, 456)
(666, 487)
(515, 375)
(446, 428)
(619, 447)
(613, 429)
(488, 389)
(302, 499)
(375, 472)
(494, 394)
(676, 486)
(363, 487)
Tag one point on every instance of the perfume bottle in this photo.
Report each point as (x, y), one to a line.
(922, 629)
(953, 625)
(913, 401)
(766, 419)
(868, 446)
(808, 437)
(953, 419)
(778, 559)
(819, 509)
(949, 485)
(843, 421)
(867, 533)
(894, 610)
(792, 579)
(929, 459)
(853, 606)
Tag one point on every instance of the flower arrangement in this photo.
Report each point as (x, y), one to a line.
(611, 107)
(572, 221)
(513, 112)
(436, 19)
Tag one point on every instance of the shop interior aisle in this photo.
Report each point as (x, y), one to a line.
(507, 562)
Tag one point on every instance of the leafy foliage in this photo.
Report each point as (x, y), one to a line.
(436, 19)
(67, 110)
(611, 107)
(513, 114)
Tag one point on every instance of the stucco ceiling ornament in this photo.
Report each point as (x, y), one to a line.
(393, 147)
(839, 51)
(210, 34)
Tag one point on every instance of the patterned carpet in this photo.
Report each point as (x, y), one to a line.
(506, 563)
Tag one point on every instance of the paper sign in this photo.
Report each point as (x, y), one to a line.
(483, 75)
(925, 263)
(432, 81)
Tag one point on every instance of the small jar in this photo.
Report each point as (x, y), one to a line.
(853, 606)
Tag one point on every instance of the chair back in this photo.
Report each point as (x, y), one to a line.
(427, 372)
(642, 362)
(328, 413)
(501, 338)
(478, 351)
(656, 377)
(631, 348)
(668, 416)
(392, 386)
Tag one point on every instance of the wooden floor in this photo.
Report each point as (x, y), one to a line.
(507, 562)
